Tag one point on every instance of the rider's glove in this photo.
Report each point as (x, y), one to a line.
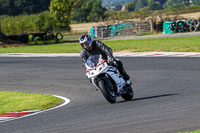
(112, 61)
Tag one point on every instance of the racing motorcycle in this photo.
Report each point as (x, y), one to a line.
(107, 79)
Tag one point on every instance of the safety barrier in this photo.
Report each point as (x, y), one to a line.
(38, 38)
(45, 38)
(121, 29)
(190, 25)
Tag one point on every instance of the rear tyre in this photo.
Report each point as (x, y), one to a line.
(128, 94)
(108, 92)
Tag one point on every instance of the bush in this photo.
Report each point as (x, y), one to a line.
(25, 24)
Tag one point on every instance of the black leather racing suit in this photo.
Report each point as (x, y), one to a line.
(106, 52)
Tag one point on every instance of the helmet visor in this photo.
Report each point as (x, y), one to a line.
(85, 45)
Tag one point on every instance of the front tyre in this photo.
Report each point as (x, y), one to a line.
(128, 94)
(108, 92)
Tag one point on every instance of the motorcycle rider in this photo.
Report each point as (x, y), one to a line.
(93, 47)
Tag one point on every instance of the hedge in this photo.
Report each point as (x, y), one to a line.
(25, 24)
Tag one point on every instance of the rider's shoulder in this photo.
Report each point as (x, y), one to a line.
(98, 42)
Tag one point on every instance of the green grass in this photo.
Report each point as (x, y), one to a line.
(198, 131)
(186, 44)
(183, 44)
(19, 101)
(57, 48)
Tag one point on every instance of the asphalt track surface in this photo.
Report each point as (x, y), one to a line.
(167, 95)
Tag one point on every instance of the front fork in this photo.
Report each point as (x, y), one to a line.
(94, 82)
(105, 77)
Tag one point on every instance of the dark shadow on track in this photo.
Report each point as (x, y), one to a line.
(151, 97)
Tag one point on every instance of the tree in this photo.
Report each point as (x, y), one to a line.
(162, 1)
(97, 12)
(61, 11)
(196, 2)
(154, 5)
(140, 4)
(80, 11)
(176, 3)
(87, 11)
(17, 7)
(44, 22)
(130, 6)
(4, 7)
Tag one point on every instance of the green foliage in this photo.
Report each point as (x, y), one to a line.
(118, 15)
(176, 3)
(78, 11)
(109, 3)
(97, 11)
(45, 22)
(154, 5)
(130, 6)
(151, 4)
(17, 7)
(140, 4)
(196, 2)
(22, 24)
(145, 8)
(87, 11)
(144, 12)
(61, 11)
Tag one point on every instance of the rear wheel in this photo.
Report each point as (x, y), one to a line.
(128, 94)
(108, 92)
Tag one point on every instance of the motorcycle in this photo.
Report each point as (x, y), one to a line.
(107, 79)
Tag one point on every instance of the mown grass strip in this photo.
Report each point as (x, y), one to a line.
(183, 44)
(198, 131)
(20, 101)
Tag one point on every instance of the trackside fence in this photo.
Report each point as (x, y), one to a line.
(121, 29)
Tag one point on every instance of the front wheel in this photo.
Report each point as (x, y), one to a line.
(108, 92)
(128, 94)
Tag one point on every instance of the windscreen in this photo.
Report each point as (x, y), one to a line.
(93, 60)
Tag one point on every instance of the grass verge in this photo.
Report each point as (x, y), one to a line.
(183, 44)
(198, 131)
(20, 101)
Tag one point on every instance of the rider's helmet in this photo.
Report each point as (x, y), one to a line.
(86, 41)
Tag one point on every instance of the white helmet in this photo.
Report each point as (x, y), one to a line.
(85, 41)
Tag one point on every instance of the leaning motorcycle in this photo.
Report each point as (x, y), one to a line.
(107, 79)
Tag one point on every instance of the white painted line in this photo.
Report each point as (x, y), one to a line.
(157, 54)
(5, 118)
(117, 54)
(40, 55)
(66, 101)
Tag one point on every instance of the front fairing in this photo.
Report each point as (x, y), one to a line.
(95, 65)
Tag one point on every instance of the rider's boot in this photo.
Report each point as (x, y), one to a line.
(126, 78)
(118, 64)
(125, 75)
